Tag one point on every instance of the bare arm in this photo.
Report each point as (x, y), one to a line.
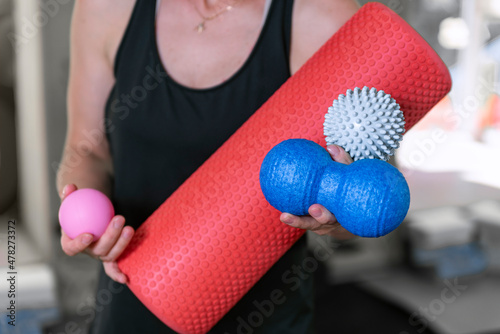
(314, 22)
(86, 161)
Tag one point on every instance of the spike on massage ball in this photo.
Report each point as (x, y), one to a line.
(369, 197)
(367, 123)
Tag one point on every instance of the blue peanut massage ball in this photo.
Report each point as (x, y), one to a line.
(369, 198)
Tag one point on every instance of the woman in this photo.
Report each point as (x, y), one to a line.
(155, 88)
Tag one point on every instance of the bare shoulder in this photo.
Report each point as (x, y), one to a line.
(96, 29)
(100, 24)
(314, 22)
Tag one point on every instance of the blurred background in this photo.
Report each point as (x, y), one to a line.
(438, 273)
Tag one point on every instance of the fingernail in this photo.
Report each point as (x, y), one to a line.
(333, 149)
(117, 222)
(287, 219)
(315, 212)
(87, 239)
(127, 234)
(65, 189)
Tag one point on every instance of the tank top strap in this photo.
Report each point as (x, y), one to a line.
(278, 22)
(287, 24)
(134, 30)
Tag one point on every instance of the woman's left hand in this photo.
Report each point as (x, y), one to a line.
(320, 220)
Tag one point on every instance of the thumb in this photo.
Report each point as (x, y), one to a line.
(339, 155)
(67, 189)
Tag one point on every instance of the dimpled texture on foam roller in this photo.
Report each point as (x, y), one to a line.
(216, 235)
(85, 211)
(369, 198)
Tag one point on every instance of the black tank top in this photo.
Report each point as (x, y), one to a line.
(163, 131)
(160, 132)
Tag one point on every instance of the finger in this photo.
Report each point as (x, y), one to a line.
(112, 270)
(321, 214)
(339, 154)
(329, 224)
(67, 189)
(74, 246)
(303, 222)
(122, 243)
(109, 237)
(311, 224)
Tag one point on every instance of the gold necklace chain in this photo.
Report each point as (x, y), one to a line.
(201, 26)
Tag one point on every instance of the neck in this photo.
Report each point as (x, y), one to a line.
(211, 5)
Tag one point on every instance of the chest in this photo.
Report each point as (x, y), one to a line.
(205, 59)
(170, 113)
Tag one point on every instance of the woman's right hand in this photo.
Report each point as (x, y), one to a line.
(109, 246)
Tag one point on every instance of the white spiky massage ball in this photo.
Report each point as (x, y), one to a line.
(367, 123)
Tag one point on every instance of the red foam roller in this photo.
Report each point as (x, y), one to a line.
(216, 236)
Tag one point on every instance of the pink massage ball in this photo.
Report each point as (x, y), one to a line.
(85, 211)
